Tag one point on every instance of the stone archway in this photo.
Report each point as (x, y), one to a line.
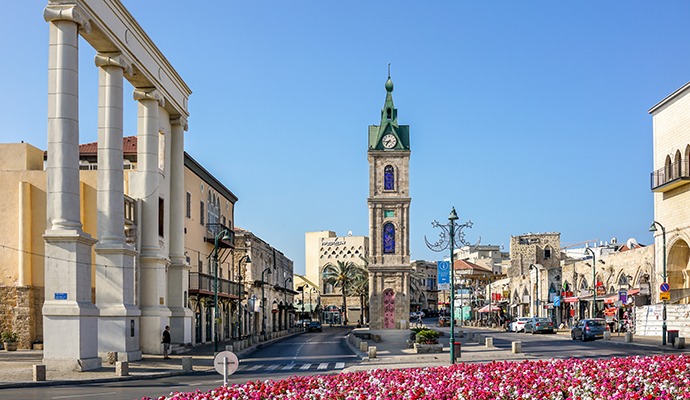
(677, 269)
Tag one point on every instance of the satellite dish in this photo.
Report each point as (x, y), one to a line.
(349, 233)
(631, 243)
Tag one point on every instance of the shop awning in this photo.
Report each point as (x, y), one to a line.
(570, 299)
(611, 299)
(486, 308)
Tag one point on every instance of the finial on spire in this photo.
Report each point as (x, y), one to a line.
(389, 82)
(389, 70)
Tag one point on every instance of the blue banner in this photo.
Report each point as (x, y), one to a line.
(444, 272)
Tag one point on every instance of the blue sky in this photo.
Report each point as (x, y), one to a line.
(525, 116)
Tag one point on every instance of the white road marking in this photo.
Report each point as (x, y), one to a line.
(289, 367)
(339, 365)
(305, 367)
(254, 368)
(84, 395)
(272, 367)
(322, 366)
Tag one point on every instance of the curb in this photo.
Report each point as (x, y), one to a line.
(155, 375)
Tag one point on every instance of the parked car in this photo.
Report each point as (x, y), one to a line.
(586, 329)
(539, 324)
(519, 324)
(413, 315)
(314, 326)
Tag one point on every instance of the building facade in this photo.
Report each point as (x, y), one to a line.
(389, 219)
(424, 290)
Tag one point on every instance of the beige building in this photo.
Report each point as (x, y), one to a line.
(424, 290)
(325, 248)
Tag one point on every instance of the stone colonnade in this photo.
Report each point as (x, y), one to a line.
(77, 333)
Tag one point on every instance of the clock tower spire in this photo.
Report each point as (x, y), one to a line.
(389, 219)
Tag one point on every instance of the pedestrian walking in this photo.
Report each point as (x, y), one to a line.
(166, 342)
(419, 320)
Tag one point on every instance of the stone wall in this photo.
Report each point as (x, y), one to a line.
(20, 312)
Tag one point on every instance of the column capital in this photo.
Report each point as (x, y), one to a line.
(67, 13)
(115, 59)
(179, 120)
(149, 94)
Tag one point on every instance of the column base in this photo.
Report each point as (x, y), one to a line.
(152, 322)
(72, 364)
(181, 324)
(120, 333)
(132, 355)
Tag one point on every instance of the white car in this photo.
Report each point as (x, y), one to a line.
(519, 324)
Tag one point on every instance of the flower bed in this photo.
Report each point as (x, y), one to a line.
(657, 377)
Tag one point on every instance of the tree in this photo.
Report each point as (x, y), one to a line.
(341, 275)
(416, 278)
(360, 287)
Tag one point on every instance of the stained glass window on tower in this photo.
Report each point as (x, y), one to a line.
(388, 178)
(388, 239)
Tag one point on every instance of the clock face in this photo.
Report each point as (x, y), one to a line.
(389, 141)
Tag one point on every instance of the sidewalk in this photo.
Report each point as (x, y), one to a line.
(16, 367)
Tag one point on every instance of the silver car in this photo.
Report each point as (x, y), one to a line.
(519, 324)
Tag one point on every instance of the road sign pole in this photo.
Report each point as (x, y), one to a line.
(225, 371)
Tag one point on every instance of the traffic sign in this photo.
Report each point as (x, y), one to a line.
(226, 363)
(664, 296)
(664, 287)
(557, 301)
(623, 296)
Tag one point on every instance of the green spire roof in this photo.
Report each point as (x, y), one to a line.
(389, 125)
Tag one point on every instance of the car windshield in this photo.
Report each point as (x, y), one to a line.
(597, 323)
(523, 319)
(542, 320)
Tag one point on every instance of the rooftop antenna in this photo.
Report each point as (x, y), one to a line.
(389, 70)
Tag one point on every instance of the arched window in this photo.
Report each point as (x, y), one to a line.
(667, 169)
(388, 239)
(583, 284)
(388, 114)
(677, 172)
(388, 178)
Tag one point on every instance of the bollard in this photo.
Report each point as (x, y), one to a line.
(372, 351)
(39, 373)
(228, 347)
(489, 342)
(628, 337)
(607, 335)
(121, 368)
(459, 333)
(517, 347)
(679, 343)
(187, 363)
(470, 336)
(363, 346)
(111, 356)
(480, 339)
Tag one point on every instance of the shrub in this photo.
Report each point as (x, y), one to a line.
(10, 337)
(427, 336)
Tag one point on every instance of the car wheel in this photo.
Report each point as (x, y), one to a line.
(584, 338)
(531, 330)
(572, 336)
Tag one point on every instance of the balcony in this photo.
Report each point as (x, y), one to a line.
(671, 176)
(203, 284)
(213, 229)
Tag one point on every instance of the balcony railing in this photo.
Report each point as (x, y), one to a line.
(214, 229)
(671, 176)
(203, 283)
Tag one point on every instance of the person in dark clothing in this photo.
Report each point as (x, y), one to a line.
(166, 342)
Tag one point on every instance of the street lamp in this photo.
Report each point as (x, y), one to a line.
(594, 281)
(246, 260)
(263, 301)
(451, 234)
(490, 299)
(289, 278)
(224, 236)
(536, 291)
(663, 233)
(311, 305)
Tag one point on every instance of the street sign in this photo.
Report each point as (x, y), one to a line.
(444, 286)
(618, 303)
(664, 287)
(623, 296)
(664, 296)
(557, 301)
(443, 273)
(226, 363)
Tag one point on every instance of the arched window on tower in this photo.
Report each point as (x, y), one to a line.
(388, 239)
(388, 178)
(389, 114)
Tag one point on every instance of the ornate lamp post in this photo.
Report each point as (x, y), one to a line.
(246, 260)
(311, 305)
(536, 294)
(263, 301)
(594, 281)
(289, 278)
(451, 234)
(663, 236)
(222, 235)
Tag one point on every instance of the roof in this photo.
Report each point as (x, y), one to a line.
(462, 264)
(129, 147)
(668, 98)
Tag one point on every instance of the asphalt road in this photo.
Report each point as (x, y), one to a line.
(310, 353)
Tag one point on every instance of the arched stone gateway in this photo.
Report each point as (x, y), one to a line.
(389, 309)
(678, 271)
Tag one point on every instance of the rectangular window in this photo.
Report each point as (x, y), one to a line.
(201, 212)
(224, 220)
(189, 205)
(161, 217)
(201, 266)
(547, 253)
(389, 214)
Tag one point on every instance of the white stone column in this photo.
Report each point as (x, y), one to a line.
(153, 264)
(118, 325)
(67, 311)
(178, 273)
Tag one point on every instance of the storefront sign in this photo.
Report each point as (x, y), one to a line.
(664, 296)
(334, 243)
(601, 291)
(444, 274)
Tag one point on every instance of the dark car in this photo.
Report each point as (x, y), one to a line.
(314, 326)
(539, 324)
(586, 329)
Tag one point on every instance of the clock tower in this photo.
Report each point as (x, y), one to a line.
(389, 219)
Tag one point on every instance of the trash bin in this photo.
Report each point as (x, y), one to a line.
(672, 335)
(457, 348)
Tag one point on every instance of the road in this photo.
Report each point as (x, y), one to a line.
(310, 353)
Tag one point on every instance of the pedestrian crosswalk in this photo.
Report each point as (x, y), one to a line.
(292, 366)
